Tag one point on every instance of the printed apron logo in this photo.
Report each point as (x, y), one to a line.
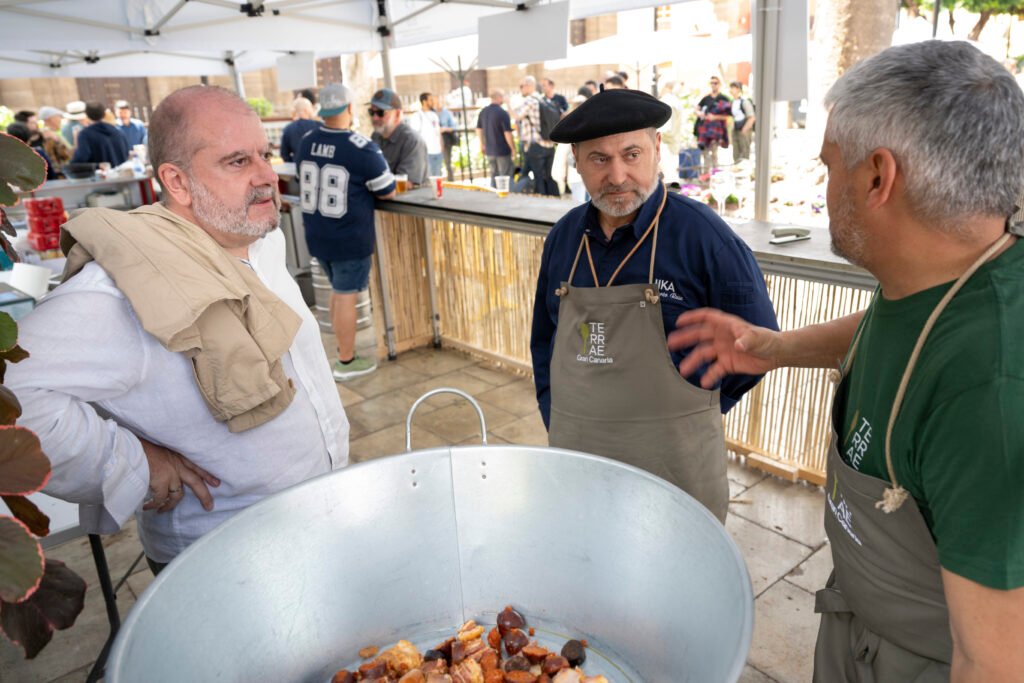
(841, 511)
(593, 349)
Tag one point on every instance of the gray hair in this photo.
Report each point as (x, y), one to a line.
(171, 136)
(951, 116)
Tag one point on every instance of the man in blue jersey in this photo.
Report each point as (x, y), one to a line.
(341, 172)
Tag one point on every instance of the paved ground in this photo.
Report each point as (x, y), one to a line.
(778, 526)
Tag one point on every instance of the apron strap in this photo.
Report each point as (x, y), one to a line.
(895, 495)
(572, 271)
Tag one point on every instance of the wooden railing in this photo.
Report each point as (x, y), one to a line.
(485, 280)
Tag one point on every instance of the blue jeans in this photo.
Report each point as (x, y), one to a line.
(434, 164)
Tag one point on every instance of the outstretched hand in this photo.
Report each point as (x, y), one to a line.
(728, 344)
(169, 474)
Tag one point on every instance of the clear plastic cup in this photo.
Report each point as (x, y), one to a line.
(401, 183)
(501, 184)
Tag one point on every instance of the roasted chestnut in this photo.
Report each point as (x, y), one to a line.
(509, 619)
(515, 640)
(517, 663)
(535, 653)
(344, 676)
(554, 664)
(431, 655)
(574, 652)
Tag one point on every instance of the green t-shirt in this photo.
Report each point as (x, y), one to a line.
(958, 442)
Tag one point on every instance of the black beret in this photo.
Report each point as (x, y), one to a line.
(609, 112)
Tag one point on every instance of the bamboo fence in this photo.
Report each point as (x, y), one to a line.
(485, 283)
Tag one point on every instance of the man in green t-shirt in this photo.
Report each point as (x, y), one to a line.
(925, 477)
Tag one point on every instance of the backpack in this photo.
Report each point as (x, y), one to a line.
(549, 117)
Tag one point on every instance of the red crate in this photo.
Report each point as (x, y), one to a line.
(41, 242)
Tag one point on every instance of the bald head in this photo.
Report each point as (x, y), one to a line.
(497, 95)
(302, 108)
(174, 136)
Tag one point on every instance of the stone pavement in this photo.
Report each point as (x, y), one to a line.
(777, 525)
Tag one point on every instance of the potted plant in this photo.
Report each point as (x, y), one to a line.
(37, 595)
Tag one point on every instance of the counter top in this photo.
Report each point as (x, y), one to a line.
(525, 213)
(809, 259)
(67, 183)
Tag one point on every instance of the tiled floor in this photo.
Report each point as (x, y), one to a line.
(777, 526)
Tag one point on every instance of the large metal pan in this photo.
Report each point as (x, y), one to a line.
(413, 545)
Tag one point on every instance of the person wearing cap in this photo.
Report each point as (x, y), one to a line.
(56, 147)
(134, 130)
(615, 275)
(303, 121)
(340, 174)
(924, 470)
(75, 121)
(403, 148)
(100, 141)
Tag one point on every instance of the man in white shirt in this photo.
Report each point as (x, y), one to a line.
(428, 125)
(122, 418)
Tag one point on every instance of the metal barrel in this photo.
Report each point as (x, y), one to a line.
(322, 294)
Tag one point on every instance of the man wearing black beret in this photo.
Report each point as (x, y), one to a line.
(615, 275)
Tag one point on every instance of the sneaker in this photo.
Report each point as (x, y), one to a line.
(357, 368)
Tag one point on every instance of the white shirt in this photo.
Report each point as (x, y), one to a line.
(428, 125)
(95, 379)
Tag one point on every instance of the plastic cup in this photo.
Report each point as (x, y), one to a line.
(436, 185)
(401, 183)
(501, 184)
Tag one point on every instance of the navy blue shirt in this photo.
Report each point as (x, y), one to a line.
(700, 262)
(134, 133)
(494, 121)
(293, 134)
(99, 142)
(340, 172)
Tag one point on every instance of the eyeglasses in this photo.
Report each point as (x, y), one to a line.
(714, 82)
(377, 112)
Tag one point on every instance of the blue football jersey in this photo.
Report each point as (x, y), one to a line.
(340, 172)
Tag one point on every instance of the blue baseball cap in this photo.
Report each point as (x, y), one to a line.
(386, 99)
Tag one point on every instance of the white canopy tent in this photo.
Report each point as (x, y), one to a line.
(165, 35)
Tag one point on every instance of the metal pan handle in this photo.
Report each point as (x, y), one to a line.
(434, 392)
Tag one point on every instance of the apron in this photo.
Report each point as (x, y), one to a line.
(883, 611)
(615, 391)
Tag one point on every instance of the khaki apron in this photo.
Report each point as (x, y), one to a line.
(883, 611)
(615, 391)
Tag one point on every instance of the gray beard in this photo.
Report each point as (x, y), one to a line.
(847, 241)
(213, 213)
(619, 209)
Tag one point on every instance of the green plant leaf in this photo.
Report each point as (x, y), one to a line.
(8, 332)
(26, 512)
(19, 167)
(10, 407)
(24, 468)
(55, 605)
(21, 561)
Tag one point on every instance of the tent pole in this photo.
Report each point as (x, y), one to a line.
(465, 116)
(384, 30)
(766, 46)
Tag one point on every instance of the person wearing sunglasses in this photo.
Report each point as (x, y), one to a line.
(402, 147)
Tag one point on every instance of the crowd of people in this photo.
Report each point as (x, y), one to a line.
(82, 133)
